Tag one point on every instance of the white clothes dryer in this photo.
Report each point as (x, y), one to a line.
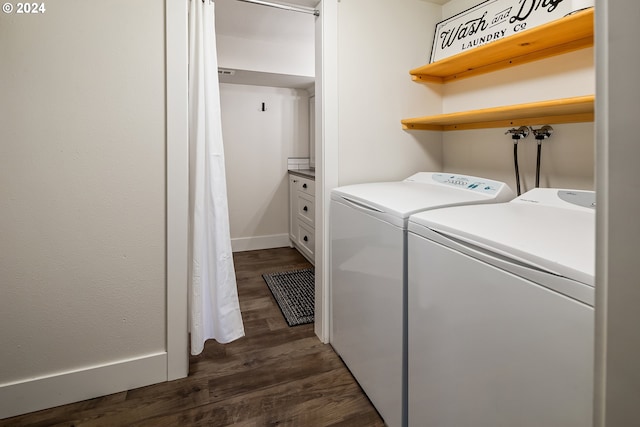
(368, 229)
(500, 313)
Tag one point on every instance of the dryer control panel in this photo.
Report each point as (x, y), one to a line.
(586, 199)
(561, 198)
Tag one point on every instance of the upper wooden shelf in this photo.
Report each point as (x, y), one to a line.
(563, 35)
(557, 111)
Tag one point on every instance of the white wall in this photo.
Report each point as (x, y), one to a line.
(567, 157)
(277, 57)
(378, 43)
(617, 290)
(257, 144)
(82, 202)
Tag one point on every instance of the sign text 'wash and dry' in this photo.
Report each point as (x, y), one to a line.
(493, 20)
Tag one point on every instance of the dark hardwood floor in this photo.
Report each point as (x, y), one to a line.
(275, 376)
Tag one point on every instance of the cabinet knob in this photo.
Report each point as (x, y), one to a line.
(304, 185)
(305, 238)
(305, 209)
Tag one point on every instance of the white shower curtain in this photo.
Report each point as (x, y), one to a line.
(213, 295)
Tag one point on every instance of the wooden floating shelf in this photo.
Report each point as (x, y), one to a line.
(563, 35)
(558, 111)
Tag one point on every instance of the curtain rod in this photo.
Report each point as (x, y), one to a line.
(310, 11)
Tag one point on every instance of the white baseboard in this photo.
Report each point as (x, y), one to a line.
(260, 242)
(73, 386)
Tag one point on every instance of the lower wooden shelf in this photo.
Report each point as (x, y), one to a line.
(567, 110)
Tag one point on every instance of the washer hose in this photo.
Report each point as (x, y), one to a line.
(538, 163)
(515, 163)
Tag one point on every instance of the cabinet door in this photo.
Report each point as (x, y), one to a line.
(305, 209)
(307, 241)
(293, 209)
(306, 186)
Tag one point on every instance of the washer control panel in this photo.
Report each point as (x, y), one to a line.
(471, 183)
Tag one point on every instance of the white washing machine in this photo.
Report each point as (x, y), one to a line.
(368, 274)
(500, 314)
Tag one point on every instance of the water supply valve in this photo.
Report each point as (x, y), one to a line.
(542, 133)
(518, 133)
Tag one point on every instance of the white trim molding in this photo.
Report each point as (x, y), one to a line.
(177, 149)
(254, 243)
(72, 386)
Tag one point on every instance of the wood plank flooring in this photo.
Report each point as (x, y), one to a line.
(275, 376)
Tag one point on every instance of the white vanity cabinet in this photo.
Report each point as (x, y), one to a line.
(302, 215)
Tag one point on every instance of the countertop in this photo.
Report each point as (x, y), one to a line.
(305, 173)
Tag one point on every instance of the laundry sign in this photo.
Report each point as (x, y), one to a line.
(492, 20)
